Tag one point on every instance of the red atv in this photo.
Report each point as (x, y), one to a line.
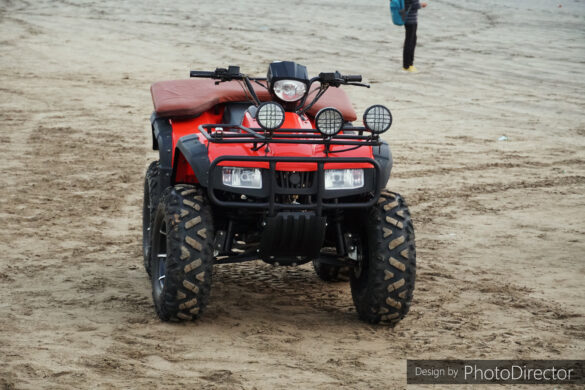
(273, 169)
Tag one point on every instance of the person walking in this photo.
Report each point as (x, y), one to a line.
(410, 25)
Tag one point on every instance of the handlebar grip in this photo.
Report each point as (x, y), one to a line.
(199, 73)
(353, 78)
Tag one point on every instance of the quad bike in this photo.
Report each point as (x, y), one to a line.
(273, 169)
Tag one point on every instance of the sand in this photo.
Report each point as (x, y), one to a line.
(500, 225)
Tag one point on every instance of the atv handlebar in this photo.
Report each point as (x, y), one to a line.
(199, 73)
(223, 74)
(231, 73)
(335, 79)
(356, 78)
(331, 79)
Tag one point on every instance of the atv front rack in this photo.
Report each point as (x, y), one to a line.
(237, 134)
(323, 199)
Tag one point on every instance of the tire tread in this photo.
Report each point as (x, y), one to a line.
(189, 261)
(383, 293)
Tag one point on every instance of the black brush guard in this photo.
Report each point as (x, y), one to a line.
(273, 189)
(301, 225)
(226, 134)
(304, 221)
(237, 134)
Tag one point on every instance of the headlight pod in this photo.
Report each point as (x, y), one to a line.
(289, 90)
(377, 119)
(241, 177)
(270, 115)
(344, 179)
(329, 121)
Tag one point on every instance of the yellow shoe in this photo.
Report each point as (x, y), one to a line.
(412, 69)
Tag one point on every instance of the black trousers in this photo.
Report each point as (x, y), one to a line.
(409, 45)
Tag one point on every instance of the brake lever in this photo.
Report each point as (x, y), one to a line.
(359, 84)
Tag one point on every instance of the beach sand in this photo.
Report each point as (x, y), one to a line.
(500, 224)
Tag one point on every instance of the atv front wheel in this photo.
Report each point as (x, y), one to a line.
(181, 254)
(383, 283)
(149, 203)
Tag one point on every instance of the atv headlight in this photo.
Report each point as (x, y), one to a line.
(289, 90)
(344, 179)
(270, 115)
(242, 177)
(329, 121)
(377, 119)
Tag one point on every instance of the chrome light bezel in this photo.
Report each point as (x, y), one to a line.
(297, 84)
(329, 121)
(377, 119)
(270, 115)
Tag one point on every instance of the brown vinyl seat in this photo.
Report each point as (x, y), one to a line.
(192, 97)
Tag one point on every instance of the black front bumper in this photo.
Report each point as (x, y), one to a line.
(271, 187)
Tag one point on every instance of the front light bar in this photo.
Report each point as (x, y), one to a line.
(238, 134)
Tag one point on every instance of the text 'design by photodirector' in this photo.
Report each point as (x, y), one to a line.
(495, 371)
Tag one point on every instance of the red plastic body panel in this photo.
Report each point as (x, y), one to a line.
(184, 172)
(181, 128)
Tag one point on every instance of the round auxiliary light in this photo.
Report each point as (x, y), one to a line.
(377, 119)
(270, 115)
(289, 90)
(329, 121)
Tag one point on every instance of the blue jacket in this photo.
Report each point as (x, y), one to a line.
(412, 17)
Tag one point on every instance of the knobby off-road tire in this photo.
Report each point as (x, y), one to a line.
(383, 285)
(330, 273)
(182, 237)
(149, 203)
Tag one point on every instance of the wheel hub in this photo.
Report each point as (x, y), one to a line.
(160, 241)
